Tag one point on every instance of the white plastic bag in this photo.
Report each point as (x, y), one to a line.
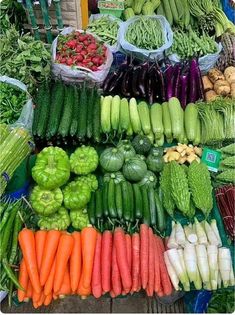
(76, 74)
(205, 63)
(94, 17)
(26, 117)
(153, 54)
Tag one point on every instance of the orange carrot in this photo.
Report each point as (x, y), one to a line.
(120, 244)
(49, 252)
(165, 280)
(40, 238)
(88, 237)
(48, 299)
(23, 281)
(65, 287)
(157, 278)
(55, 297)
(50, 280)
(96, 273)
(64, 251)
(27, 244)
(135, 261)
(116, 278)
(106, 257)
(151, 263)
(35, 304)
(29, 291)
(129, 250)
(76, 261)
(83, 292)
(41, 300)
(144, 254)
(36, 296)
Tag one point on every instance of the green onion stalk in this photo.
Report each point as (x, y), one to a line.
(60, 24)
(46, 20)
(35, 27)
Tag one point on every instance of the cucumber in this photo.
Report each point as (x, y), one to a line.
(150, 136)
(166, 120)
(138, 201)
(160, 142)
(74, 123)
(134, 116)
(176, 117)
(91, 209)
(96, 118)
(90, 105)
(161, 220)
(66, 118)
(105, 199)
(115, 111)
(82, 119)
(152, 207)
(124, 115)
(156, 119)
(129, 131)
(106, 114)
(125, 201)
(44, 103)
(111, 199)
(98, 204)
(146, 213)
(191, 114)
(118, 200)
(37, 110)
(131, 196)
(197, 139)
(144, 115)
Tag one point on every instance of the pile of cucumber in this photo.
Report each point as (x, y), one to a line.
(126, 204)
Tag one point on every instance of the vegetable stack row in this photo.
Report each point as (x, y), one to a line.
(56, 264)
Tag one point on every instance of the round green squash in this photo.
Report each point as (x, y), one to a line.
(134, 169)
(155, 162)
(111, 159)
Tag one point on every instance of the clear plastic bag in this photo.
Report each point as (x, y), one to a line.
(77, 74)
(139, 52)
(94, 17)
(26, 117)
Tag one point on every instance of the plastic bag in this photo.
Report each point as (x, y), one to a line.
(205, 63)
(197, 301)
(26, 117)
(94, 17)
(76, 74)
(229, 8)
(153, 54)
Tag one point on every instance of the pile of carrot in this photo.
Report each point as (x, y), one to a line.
(56, 263)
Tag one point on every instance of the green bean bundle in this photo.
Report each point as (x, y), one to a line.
(145, 33)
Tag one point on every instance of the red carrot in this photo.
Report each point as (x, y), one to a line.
(112, 294)
(116, 278)
(76, 261)
(144, 254)
(96, 284)
(120, 244)
(135, 261)
(129, 250)
(157, 278)
(151, 263)
(106, 257)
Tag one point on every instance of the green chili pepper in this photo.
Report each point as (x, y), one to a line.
(17, 228)
(11, 274)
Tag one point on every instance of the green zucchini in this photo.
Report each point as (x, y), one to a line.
(105, 199)
(106, 114)
(144, 115)
(118, 200)
(82, 122)
(90, 105)
(111, 200)
(138, 201)
(74, 123)
(98, 204)
(125, 201)
(176, 117)
(161, 220)
(91, 209)
(131, 196)
(156, 119)
(44, 112)
(146, 212)
(37, 110)
(152, 207)
(166, 120)
(190, 121)
(124, 120)
(96, 118)
(66, 118)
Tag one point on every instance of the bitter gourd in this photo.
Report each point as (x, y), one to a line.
(229, 161)
(227, 176)
(165, 185)
(200, 186)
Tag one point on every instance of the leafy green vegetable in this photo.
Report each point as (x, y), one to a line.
(222, 301)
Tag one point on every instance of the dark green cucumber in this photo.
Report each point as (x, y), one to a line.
(45, 103)
(91, 209)
(57, 104)
(98, 204)
(131, 196)
(96, 118)
(90, 105)
(126, 201)
(82, 119)
(37, 110)
(105, 199)
(152, 206)
(118, 200)
(161, 220)
(138, 201)
(74, 123)
(146, 212)
(66, 118)
(111, 199)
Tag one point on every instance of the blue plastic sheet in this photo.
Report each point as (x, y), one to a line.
(197, 301)
(229, 9)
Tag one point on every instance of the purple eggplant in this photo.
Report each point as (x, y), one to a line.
(161, 83)
(109, 79)
(116, 82)
(134, 81)
(193, 78)
(168, 73)
(176, 90)
(199, 83)
(183, 82)
(142, 79)
(126, 81)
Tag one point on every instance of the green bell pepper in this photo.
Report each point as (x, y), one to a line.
(84, 160)
(76, 195)
(52, 168)
(46, 202)
(89, 179)
(57, 221)
(79, 219)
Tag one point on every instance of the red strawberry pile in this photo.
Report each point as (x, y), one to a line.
(80, 49)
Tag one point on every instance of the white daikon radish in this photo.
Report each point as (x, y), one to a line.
(212, 238)
(202, 261)
(179, 234)
(216, 231)
(219, 280)
(190, 260)
(181, 255)
(171, 272)
(172, 241)
(190, 234)
(225, 265)
(175, 262)
(212, 253)
(231, 276)
(201, 234)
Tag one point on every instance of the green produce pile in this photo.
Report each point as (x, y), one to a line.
(23, 58)
(136, 7)
(12, 100)
(145, 33)
(57, 201)
(105, 28)
(222, 301)
(188, 44)
(227, 165)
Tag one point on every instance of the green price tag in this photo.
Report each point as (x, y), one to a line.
(211, 158)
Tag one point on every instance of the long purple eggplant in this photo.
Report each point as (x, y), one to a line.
(142, 78)
(193, 80)
(151, 86)
(176, 82)
(168, 73)
(199, 83)
(126, 81)
(183, 89)
(116, 82)
(134, 81)
(161, 84)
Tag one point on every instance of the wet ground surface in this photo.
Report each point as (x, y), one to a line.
(138, 303)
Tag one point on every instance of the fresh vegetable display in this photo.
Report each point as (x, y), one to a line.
(80, 49)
